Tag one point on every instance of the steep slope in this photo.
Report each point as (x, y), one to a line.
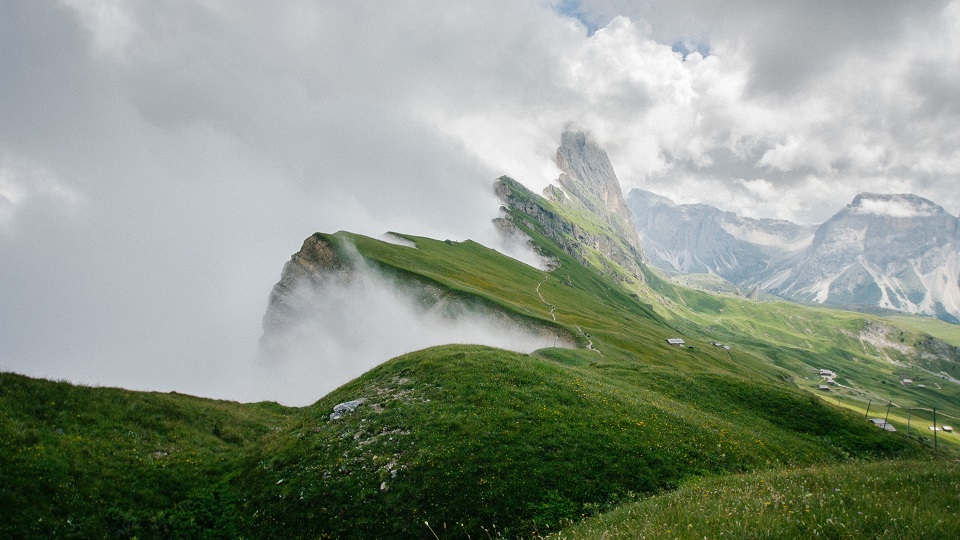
(328, 262)
(898, 252)
(588, 176)
(702, 239)
(586, 216)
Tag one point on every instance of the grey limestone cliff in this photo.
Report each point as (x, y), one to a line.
(702, 239)
(588, 177)
(585, 214)
(891, 251)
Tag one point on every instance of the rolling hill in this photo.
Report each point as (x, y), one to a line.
(466, 441)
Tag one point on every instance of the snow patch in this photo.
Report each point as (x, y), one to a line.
(394, 238)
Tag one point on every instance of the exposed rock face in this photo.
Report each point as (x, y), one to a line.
(702, 239)
(575, 239)
(585, 215)
(898, 252)
(316, 259)
(588, 177)
(588, 174)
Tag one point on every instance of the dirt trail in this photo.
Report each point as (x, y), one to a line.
(554, 316)
(552, 307)
(589, 341)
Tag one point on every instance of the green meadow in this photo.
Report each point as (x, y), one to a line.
(624, 436)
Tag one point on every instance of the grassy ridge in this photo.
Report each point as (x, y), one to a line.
(467, 438)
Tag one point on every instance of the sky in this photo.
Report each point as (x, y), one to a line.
(160, 160)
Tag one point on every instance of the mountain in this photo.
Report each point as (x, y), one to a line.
(585, 213)
(702, 239)
(899, 252)
(588, 176)
(469, 441)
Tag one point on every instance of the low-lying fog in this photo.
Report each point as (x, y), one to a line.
(348, 325)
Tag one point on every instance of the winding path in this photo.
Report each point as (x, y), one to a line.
(552, 307)
(554, 316)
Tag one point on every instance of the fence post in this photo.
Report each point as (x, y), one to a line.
(887, 415)
(867, 414)
(934, 430)
(908, 423)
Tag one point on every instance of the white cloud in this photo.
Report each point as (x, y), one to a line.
(109, 23)
(24, 186)
(349, 326)
(796, 154)
(896, 208)
(204, 140)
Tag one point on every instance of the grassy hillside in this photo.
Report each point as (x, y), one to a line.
(871, 354)
(470, 439)
(467, 438)
(887, 499)
(97, 462)
(949, 333)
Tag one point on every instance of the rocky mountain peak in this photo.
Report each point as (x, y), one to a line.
(587, 173)
(894, 251)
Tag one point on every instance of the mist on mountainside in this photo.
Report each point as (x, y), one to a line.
(337, 325)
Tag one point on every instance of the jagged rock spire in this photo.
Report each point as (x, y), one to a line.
(587, 174)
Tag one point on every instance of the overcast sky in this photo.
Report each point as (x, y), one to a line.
(161, 159)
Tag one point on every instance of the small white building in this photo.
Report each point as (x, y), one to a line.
(677, 342)
(907, 382)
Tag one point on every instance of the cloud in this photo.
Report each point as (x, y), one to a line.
(347, 325)
(858, 95)
(794, 154)
(24, 185)
(206, 141)
(893, 207)
(162, 159)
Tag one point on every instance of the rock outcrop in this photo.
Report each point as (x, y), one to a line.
(586, 214)
(317, 259)
(588, 177)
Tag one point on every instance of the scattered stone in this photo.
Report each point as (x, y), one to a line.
(346, 407)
